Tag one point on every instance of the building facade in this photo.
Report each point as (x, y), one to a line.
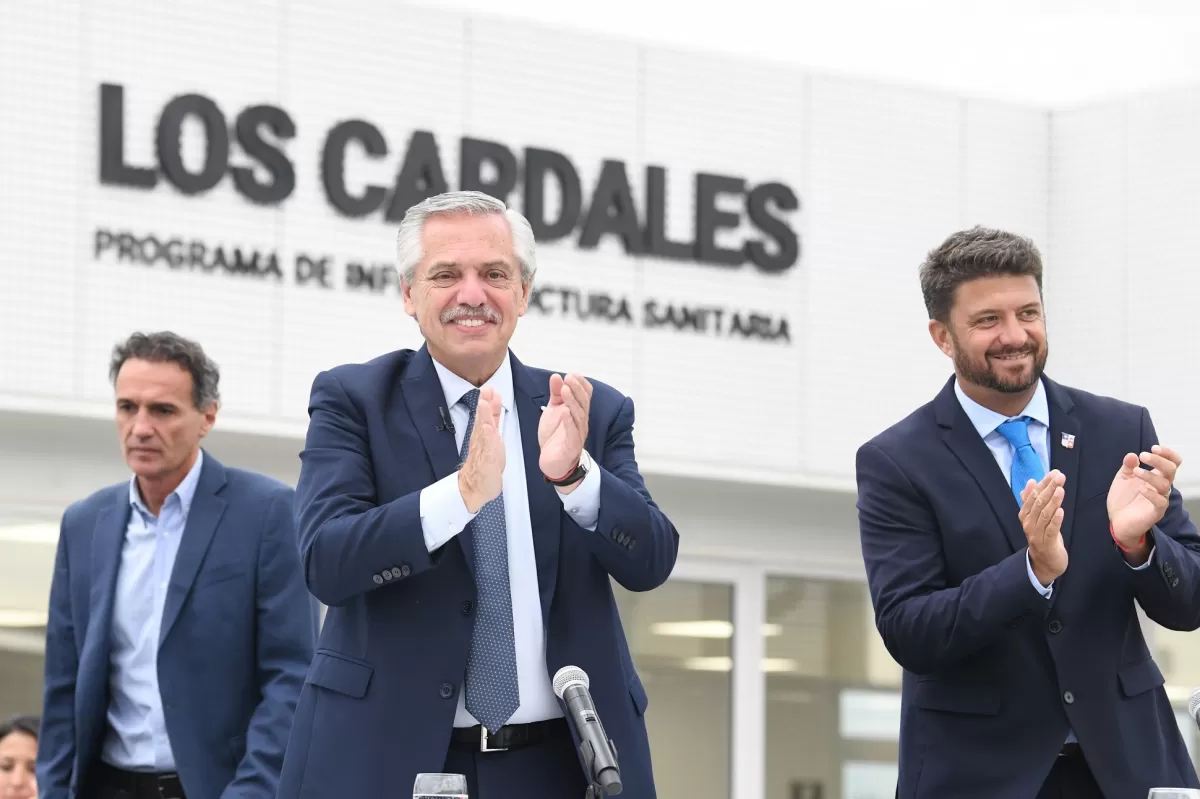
(732, 244)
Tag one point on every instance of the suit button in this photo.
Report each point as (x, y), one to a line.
(447, 690)
(378, 580)
(466, 607)
(1069, 698)
(1055, 626)
(387, 575)
(405, 570)
(397, 573)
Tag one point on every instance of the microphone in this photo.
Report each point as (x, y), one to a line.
(1194, 706)
(446, 425)
(598, 751)
(440, 786)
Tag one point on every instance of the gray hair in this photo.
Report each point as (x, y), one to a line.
(408, 238)
(970, 254)
(168, 347)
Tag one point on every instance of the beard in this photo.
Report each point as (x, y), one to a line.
(982, 373)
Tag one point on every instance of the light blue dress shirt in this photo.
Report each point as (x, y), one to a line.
(136, 738)
(444, 515)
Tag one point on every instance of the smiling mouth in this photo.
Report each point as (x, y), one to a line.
(470, 322)
(1014, 356)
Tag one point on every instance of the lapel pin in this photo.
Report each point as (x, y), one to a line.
(1068, 440)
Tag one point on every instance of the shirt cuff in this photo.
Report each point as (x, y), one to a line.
(1145, 565)
(443, 512)
(583, 504)
(1044, 590)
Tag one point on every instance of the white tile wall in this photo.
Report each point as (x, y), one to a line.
(882, 174)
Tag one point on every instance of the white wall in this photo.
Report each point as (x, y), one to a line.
(1123, 283)
(882, 175)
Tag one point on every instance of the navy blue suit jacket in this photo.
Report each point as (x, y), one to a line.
(994, 674)
(238, 633)
(381, 695)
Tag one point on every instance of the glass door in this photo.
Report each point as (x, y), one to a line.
(685, 643)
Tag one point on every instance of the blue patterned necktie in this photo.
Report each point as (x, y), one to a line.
(1026, 464)
(492, 691)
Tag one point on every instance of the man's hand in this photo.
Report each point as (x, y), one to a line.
(564, 425)
(1041, 518)
(481, 477)
(1138, 498)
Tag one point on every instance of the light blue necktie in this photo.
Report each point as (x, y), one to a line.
(1026, 464)
(492, 691)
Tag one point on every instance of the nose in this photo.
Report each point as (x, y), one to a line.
(471, 289)
(23, 779)
(1012, 333)
(142, 428)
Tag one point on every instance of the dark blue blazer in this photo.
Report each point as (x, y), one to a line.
(238, 633)
(380, 699)
(995, 674)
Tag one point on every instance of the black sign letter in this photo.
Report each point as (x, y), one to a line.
(538, 165)
(612, 211)
(474, 152)
(421, 176)
(786, 240)
(657, 242)
(170, 143)
(113, 168)
(283, 175)
(709, 220)
(333, 163)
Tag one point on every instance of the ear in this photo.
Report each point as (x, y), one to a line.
(210, 418)
(940, 333)
(410, 307)
(523, 304)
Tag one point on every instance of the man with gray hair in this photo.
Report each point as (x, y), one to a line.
(179, 628)
(462, 514)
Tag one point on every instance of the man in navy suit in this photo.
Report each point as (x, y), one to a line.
(462, 514)
(1010, 528)
(180, 628)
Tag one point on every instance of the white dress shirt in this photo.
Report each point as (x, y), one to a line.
(136, 737)
(444, 515)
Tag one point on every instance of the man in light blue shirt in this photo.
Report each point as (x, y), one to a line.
(1011, 529)
(180, 629)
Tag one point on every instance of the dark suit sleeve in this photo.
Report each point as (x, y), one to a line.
(346, 537)
(633, 540)
(927, 624)
(56, 741)
(1169, 589)
(287, 619)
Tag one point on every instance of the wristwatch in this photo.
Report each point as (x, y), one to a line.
(580, 471)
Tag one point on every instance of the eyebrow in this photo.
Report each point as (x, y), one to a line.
(987, 311)
(457, 265)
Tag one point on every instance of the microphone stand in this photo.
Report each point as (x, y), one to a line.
(595, 790)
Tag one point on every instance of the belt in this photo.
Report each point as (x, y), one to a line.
(1071, 750)
(142, 785)
(510, 736)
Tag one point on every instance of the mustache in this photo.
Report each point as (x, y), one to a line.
(484, 312)
(1028, 349)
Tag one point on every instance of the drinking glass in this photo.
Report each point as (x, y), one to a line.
(440, 786)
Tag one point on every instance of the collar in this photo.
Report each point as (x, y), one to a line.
(186, 490)
(986, 420)
(454, 387)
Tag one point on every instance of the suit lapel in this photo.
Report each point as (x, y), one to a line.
(108, 539)
(964, 441)
(426, 403)
(1065, 459)
(203, 517)
(545, 508)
